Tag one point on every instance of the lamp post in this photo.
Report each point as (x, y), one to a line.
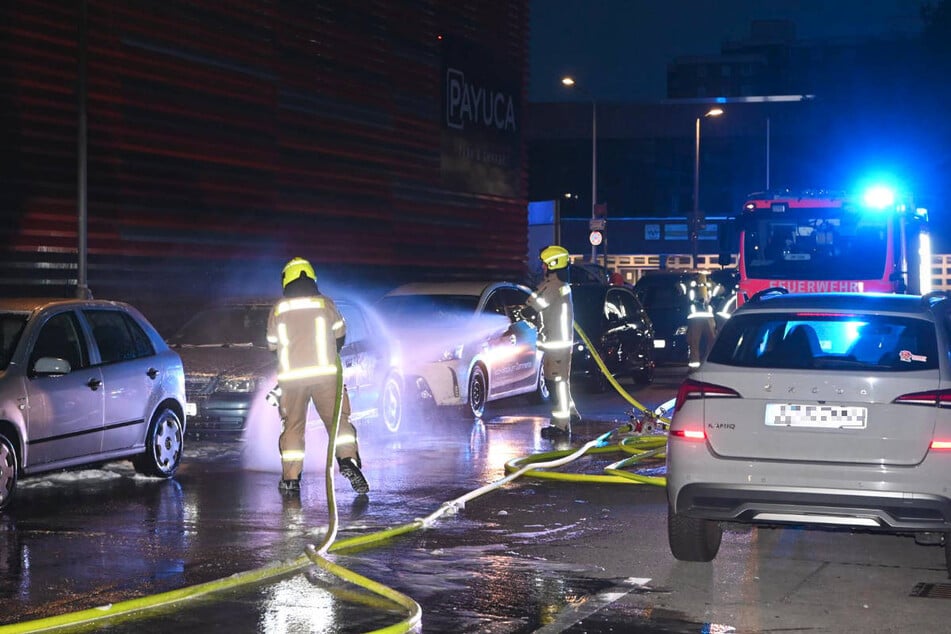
(767, 153)
(695, 220)
(570, 83)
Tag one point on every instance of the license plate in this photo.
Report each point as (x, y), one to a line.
(824, 416)
(191, 409)
(660, 343)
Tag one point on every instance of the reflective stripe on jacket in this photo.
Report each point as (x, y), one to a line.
(304, 331)
(553, 302)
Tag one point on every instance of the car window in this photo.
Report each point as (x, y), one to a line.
(494, 303)
(437, 310)
(60, 337)
(667, 295)
(827, 341)
(356, 324)
(226, 325)
(11, 327)
(118, 336)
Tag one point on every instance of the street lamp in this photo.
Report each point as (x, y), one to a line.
(695, 220)
(570, 83)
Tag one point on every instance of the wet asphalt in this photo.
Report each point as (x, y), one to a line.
(532, 556)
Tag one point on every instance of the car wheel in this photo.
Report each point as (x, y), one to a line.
(478, 392)
(541, 393)
(947, 553)
(692, 539)
(391, 403)
(8, 471)
(646, 375)
(163, 446)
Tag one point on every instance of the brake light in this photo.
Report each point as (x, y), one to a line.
(691, 390)
(941, 398)
(940, 444)
(689, 434)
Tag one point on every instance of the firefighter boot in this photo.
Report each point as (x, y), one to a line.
(350, 469)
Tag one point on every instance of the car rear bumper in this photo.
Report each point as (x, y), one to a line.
(883, 510)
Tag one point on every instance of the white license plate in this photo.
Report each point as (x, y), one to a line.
(191, 409)
(660, 343)
(825, 416)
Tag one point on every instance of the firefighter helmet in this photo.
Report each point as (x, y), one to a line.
(296, 268)
(554, 257)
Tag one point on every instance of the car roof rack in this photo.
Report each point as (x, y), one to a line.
(766, 293)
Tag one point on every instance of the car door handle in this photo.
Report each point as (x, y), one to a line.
(93, 384)
(151, 373)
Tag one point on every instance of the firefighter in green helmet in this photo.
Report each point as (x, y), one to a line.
(307, 331)
(553, 302)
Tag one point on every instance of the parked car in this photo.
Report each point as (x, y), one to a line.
(816, 410)
(618, 326)
(228, 367)
(665, 296)
(466, 344)
(82, 382)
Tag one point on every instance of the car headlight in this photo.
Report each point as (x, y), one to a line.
(680, 331)
(236, 384)
(451, 354)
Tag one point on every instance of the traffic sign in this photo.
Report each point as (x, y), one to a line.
(597, 224)
(595, 238)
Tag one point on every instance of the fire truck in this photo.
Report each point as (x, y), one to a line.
(824, 241)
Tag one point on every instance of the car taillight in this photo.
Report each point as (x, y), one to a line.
(940, 444)
(690, 390)
(688, 434)
(941, 398)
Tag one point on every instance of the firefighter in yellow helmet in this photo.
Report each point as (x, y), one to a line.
(552, 300)
(307, 332)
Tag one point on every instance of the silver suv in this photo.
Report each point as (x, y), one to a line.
(817, 409)
(84, 381)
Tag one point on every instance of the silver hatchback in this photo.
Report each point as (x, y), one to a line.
(84, 381)
(817, 409)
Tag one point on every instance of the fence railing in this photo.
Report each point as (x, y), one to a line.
(632, 267)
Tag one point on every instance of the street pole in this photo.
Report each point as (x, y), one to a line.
(694, 225)
(767, 153)
(594, 171)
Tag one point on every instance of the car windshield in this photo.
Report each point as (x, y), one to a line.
(882, 343)
(816, 246)
(11, 327)
(438, 310)
(225, 326)
(666, 293)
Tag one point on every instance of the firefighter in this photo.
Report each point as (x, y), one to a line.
(307, 332)
(552, 300)
(701, 324)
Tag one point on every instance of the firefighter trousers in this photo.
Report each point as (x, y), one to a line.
(294, 401)
(557, 369)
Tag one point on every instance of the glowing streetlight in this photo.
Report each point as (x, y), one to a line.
(570, 83)
(696, 221)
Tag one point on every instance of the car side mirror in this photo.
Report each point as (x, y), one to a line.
(51, 366)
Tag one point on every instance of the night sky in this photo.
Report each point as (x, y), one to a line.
(619, 49)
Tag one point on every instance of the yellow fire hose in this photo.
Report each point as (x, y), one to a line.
(641, 447)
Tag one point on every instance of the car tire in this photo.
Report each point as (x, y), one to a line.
(947, 553)
(477, 392)
(391, 403)
(646, 375)
(163, 446)
(692, 539)
(541, 394)
(9, 470)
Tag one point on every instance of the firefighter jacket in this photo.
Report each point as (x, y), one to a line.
(553, 302)
(698, 294)
(304, 331)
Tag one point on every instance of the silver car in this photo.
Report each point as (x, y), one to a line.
(84, 381)
(816, 409)
(465, 344)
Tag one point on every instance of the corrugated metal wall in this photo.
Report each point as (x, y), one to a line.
(226, 137)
